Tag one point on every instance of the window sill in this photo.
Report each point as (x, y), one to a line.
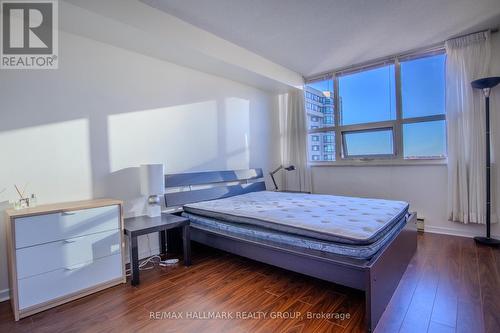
(361, 163)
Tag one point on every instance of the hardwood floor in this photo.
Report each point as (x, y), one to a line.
(451, 285)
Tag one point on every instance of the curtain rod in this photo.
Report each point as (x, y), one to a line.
(492, 30)
(374, 62)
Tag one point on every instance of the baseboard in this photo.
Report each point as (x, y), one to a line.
(4, 295)
(453, 232)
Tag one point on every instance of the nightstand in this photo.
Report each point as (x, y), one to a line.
(143, 225)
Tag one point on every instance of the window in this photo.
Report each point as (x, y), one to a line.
(369, 143)
(422, 86)
(391, 110)
(424, 139)
(367, 96)
(315, 148)
(328, 138)
(423, 98)
(328, 120)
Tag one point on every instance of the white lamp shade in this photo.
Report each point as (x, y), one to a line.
(152, 179)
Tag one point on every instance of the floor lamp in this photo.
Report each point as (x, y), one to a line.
(485, 85)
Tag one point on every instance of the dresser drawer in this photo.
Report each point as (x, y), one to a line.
(47, 257)
(40, 229)
(62, 282)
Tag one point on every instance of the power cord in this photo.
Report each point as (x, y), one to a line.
(143, 265)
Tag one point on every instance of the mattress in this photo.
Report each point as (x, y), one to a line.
(348, 220)
(294, 242)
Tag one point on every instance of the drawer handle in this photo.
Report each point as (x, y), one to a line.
(72, 268)
(67, 213)
(69, 241)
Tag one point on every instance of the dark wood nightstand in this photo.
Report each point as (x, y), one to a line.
(142, 225)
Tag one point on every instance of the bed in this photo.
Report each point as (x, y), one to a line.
(361, 243)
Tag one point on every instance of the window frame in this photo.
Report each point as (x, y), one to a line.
(396, 125)
(347, 156)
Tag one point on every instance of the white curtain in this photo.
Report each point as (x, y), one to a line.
(293, 129)
(468, 58)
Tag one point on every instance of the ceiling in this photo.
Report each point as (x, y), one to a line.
(314, 36)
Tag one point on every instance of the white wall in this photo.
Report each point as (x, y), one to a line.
(424, 186)
(81, 131)
(136, 26)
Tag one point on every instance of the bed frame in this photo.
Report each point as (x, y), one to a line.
(378, 277)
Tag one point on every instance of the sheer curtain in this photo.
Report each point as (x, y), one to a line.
(468, 58)
(293, 129)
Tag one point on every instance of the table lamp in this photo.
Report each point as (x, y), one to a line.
(152, 186)
(288, 168)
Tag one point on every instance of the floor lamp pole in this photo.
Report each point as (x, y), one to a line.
(488, 169)
(485, 85)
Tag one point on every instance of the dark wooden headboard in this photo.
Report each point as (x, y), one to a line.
(192, 187)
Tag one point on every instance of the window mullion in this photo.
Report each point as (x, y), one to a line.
(398, 131)
(368, 126)
(424, 119)
(321, 130)
(336, 111)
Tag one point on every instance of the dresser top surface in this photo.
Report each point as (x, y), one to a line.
(61, 207)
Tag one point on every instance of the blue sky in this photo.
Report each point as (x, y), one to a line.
(370, 96)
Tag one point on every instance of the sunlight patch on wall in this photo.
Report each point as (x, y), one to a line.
(237, 120)
(182, 137)
(54, 160)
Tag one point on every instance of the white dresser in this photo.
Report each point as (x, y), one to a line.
(61, 252)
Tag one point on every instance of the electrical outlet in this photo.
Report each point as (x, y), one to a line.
(420, 224)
